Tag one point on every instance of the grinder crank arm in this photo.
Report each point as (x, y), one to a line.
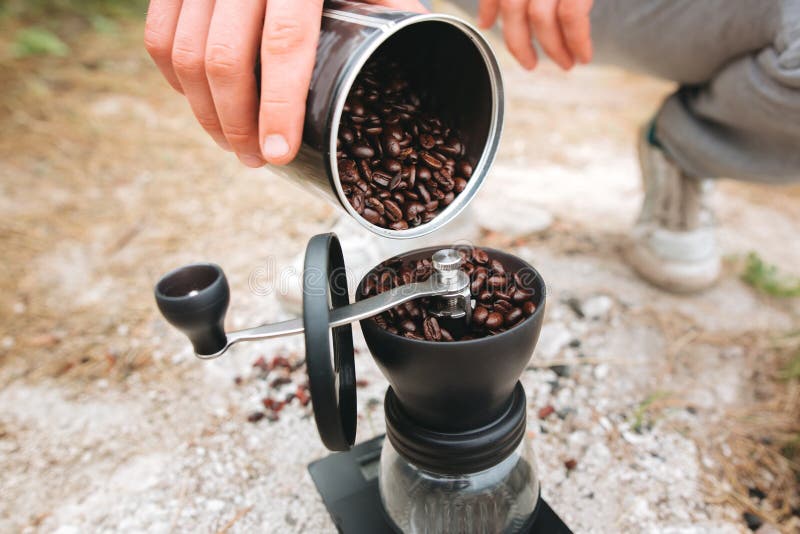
(338, 316)
(195, 299)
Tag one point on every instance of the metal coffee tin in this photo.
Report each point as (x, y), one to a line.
(445, 55)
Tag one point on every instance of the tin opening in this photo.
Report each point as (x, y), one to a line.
(445, 62)
(454, 71)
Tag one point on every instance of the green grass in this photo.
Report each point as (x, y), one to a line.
(640, 417)
(46, 27)
(792, 369)
(41, 10)
(36, 41)
(768, 279)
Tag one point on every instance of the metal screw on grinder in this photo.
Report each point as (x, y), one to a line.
(447, 269)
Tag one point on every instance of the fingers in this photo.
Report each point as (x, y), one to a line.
(517, 33)
(288, 51)
(542, 15)
(573, 16)
(188, 62)
(487, 13)
(413, 6)
(230, 58)
(159, 34)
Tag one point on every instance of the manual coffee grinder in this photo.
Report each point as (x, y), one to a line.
(455, 457)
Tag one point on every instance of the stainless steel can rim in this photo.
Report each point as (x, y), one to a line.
(492, 139)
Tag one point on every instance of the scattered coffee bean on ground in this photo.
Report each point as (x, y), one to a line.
(399, 164)
(503, 298)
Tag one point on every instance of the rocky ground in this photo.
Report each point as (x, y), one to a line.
(108, 423)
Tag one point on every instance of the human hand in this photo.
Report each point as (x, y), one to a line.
(562, 28)
(207, 49)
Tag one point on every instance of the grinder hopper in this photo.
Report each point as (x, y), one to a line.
(460, 385)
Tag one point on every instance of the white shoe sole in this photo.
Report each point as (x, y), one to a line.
(671, 275)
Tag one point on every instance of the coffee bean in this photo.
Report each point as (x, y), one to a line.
(465, 169)
(348, 172)
(357, 201)
(504, 293)
(477, 283)
(460, 185)
(393, 131)
(480, 256)
(502, 306)
(381, 178)
(521, 295)
(393, 211)
(513, 317)
(399, 225)
(413, 209)
(430, 160)
(445, 182)
(497, 267)
(479, 315)
(371, 215)
(346, 135)
(423, 193)
(496, 281)
(411, 335)
(362, 151)
(494, 320)
(431, 329)
(375, 204)
(392, 165)
(427, 141)
(528, 308)
(408, 326)
(392, 147)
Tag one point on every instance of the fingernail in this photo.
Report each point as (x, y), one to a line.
(251, 161)
(275, 146)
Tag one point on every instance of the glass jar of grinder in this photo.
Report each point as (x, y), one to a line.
(456, 457)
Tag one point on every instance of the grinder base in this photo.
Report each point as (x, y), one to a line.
(348, 485)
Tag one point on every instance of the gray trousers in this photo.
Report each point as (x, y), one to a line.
(736, 113)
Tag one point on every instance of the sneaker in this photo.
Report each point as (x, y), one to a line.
(363, 250)
(673, 243)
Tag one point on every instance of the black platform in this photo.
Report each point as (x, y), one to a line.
(348, 484)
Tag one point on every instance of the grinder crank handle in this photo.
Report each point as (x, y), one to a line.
(195, 298)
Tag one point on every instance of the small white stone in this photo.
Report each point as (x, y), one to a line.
(554, 337)
(215, 505)
(597, 307)
(601, 371)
